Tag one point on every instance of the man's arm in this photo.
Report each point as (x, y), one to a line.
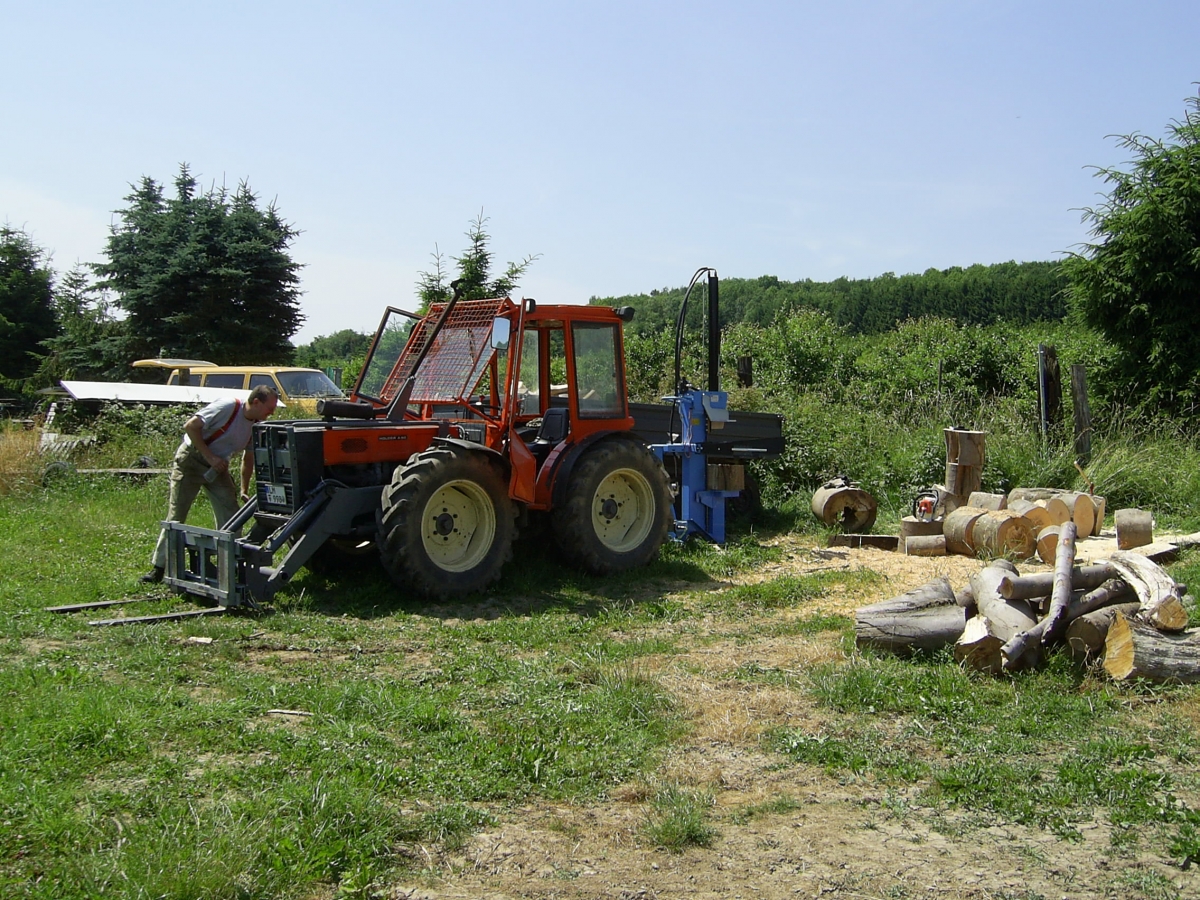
(247, 471)
(195, 431)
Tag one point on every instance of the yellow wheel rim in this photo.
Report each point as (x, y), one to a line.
(458, 526)
(623, 510)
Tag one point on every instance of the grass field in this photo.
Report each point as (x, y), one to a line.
(356, 739)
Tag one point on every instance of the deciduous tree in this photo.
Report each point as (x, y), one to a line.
(1139, 282)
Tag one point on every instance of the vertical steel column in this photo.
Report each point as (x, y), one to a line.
(714, 333)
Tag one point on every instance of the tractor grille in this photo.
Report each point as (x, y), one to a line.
(288, 461)
(459, 354)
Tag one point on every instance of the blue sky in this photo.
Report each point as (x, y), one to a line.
(627, 143)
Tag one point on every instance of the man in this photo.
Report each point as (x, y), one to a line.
(211, 437)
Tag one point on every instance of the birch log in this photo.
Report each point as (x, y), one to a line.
(996, 623)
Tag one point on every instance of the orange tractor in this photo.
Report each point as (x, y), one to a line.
(463, 423)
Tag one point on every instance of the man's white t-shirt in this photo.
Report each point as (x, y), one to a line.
(225, 414)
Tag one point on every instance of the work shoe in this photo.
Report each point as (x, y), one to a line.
(154, 576)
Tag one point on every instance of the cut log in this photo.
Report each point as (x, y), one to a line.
(1098, 525)
(1003, 533)
(925, 618)
(1002, 620)
(1086, 634)
(1083, 512)
(875, 541)
(965, 459)
(1135, 528)
(1161, 604)
(1038, 516)
(982, 500)
(1049, 499)
(911, 526)
(1135, 650)
(1039, 584)
(979, 646)
(842, 505)
(959, 529)
(926, 545)
(1047, 543)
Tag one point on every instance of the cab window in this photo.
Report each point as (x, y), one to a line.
(257, 379)
(223, 380)
(597, 371)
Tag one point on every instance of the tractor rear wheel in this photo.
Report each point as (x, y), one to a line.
(618, 509)
(446, 524)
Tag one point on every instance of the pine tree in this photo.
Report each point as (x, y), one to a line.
(204, 275)
(26, 303)
(474, 271)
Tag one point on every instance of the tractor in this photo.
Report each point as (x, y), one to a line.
(465, 423)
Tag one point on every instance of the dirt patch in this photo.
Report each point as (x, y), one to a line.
(849, 839)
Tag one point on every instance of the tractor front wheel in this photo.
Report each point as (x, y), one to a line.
(618, 509)
(446, 523)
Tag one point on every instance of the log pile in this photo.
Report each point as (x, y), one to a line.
(1015, 526)
(1125, 609)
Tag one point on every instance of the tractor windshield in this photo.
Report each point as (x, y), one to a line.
(388, 345)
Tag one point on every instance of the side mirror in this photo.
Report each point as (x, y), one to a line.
(501, 332)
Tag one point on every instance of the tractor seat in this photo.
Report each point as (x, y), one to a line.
(556, 425)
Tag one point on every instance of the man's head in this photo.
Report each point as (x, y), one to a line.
(261, 403)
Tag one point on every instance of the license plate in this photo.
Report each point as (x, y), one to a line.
(276, 494)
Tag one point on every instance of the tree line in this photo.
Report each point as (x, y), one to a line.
(1019, 293)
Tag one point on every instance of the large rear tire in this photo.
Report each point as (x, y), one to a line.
(618, 509)
(446, 523)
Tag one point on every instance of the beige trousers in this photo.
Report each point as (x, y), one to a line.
(187, 477)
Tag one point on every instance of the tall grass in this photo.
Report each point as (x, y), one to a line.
(20, 462)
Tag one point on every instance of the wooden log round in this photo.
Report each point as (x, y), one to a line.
(1098, 524)
(1038, 516)
(983, 500)
(846, 508)
(1058, 510)
(1087, 633)
(1003, 532)
(925, 545)
(1047, 544)
(911, 526)
(1135, 528)
(959, 529)
(1083, 511)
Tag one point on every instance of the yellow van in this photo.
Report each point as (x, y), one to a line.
(299, 389)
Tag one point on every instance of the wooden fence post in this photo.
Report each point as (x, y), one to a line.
(1083, 414)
